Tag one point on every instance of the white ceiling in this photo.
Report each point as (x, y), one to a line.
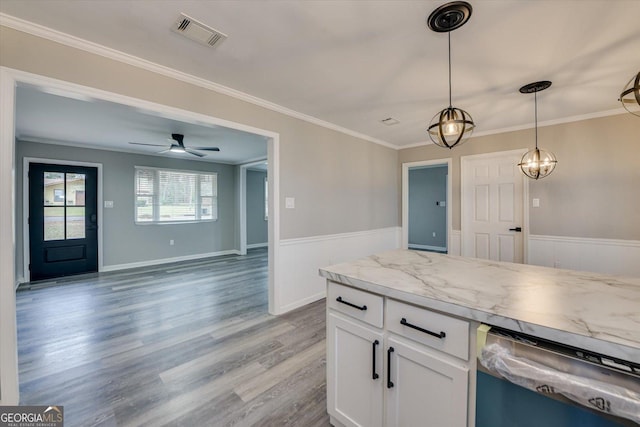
(354, 63)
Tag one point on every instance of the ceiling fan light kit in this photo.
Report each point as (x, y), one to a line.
(537, 163)
(452, 126)
(630, 96)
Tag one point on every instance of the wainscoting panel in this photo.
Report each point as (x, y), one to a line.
(607, 256)
(300, 260)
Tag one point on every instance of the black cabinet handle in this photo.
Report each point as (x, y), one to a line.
(363, 308)
(374, 375)
(389, 382)
(426, 331)
(518, 229)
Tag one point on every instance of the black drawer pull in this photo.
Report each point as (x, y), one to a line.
(374, 375)
(389, 382)
(363, 308)
(426, 331)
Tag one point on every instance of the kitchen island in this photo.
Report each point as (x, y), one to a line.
(425, 307)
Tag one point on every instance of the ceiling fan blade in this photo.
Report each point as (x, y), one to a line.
(152, 145)
(165, 151)
(195, 153)
(205, 148)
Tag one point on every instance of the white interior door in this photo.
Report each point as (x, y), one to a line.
(492, 207)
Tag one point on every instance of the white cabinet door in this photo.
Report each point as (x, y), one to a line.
(354, 396)
(424, 389)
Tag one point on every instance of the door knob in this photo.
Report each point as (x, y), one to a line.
(518, 229)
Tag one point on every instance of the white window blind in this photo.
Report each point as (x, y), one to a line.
(165, 195)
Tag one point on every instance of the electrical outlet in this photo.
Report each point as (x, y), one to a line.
(171, 242)
(433, 234)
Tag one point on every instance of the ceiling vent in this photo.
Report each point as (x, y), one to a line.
(197, 31)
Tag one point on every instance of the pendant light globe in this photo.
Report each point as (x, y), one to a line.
(451, 126)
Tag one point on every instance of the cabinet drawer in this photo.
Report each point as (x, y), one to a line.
(352, 302)
(441, 332)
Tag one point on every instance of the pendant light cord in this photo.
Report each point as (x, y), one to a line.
(535, 94)
(449, 34)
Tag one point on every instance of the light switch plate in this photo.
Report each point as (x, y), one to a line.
(535, 203)
(108, 204)
(290, 202)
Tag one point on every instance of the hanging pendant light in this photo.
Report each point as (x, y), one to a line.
(630, 96)
(537, 163)
(451, 126)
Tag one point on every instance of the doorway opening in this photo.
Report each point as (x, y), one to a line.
(426, 210)
(11, 80)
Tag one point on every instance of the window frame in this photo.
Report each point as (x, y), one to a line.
(155, 203)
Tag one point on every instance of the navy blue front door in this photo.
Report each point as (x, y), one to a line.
(63, 220)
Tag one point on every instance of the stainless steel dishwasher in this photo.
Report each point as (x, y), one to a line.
(603, 385)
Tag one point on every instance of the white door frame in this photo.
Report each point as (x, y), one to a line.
(405, 197)
(26, 274)
(243, 203)
(10, 79)
(464, 170)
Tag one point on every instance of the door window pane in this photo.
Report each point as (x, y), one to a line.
(53, 223)
(75, 223)
(54, 189)
(75, 189)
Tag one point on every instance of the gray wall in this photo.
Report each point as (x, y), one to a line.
(341, 183)
(256, 224)
(124, 241)
(426, 186)
(594, 190)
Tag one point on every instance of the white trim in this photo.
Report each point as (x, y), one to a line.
(116, 267)
(339, 236)
(242, 203)
(587, 240)
(8, 333)
(525, 198)
(303, 302)
(606, 256)
(405, 196)
(97, 49)
(257, 245)
(553, 122)
(26, 256)
(455, 237)
(428, 247)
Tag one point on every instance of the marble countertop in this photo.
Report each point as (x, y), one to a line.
(587, 310)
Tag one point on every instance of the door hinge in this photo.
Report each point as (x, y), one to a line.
(29, 267)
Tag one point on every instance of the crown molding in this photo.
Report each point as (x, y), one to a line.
(97, 49)
(546, 123)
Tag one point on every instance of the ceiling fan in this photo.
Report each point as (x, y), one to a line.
(178, 146)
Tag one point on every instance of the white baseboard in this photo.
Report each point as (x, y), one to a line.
(607, 256)
(257, 245)
(148, 263)
(427, 247)
(300, 260)
(454, 243)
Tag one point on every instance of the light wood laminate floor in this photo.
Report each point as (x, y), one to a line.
(186, 344)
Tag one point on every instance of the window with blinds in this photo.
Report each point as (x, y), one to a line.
(166, 196)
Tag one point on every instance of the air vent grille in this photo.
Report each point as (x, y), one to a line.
(197, 31)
